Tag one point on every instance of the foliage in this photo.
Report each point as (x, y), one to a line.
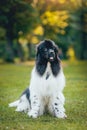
(64, 21)
(78, 27)
(16, 16)
(15, 78)
(55, 18)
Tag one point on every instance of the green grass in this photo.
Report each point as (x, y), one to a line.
(15, 78)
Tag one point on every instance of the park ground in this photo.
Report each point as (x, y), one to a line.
(14, 78)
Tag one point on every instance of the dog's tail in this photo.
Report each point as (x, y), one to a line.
(14, 104)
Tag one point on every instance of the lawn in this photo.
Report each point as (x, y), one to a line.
(14, 78)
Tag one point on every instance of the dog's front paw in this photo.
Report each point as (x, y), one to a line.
(32, 114)
(19, 109)
(61, 115)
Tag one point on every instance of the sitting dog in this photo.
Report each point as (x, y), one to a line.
(45, 92)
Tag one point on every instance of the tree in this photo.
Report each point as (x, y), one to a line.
(78, 31)
(16, 16)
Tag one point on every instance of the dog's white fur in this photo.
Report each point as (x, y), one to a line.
(44, 94)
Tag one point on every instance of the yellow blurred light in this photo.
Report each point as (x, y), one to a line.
(22, 40)
(73, 0)
(48, 13)
(62, 1)
(39, 30)
(53, 0)
(45, 21)
(71, 53)
(56, 19)
(34, 40)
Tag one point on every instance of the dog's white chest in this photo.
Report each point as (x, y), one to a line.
(47, 82)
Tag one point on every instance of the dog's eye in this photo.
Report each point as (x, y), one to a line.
(45, 49)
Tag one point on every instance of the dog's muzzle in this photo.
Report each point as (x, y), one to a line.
(51, 55)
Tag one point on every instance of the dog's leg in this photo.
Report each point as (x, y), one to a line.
(14, 104)
(23, 105)
(35, 107)
(57, 106)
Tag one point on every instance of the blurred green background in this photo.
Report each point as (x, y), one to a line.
(24, 23)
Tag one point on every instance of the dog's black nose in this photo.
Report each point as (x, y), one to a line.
(51, 55)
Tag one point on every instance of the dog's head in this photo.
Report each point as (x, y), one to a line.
(47, 50)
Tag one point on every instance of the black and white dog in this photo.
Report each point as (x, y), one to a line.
(46, 86)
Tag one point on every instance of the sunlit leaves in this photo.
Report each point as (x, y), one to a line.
(22, 40)
(34, 40)
(38, 30)
(35, 33)
(56, 19)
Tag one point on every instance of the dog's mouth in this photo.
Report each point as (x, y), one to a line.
(51, 58)
(51, 55)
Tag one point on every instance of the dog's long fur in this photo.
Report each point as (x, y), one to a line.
(46, 85)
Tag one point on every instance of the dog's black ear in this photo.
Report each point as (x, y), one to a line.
(56, 49)
(37, 49)
(38, 52)
(38, 46)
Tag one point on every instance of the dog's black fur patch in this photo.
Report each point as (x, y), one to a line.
(27, 93)
(55, 66)
(42, 58)
(47, 75)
